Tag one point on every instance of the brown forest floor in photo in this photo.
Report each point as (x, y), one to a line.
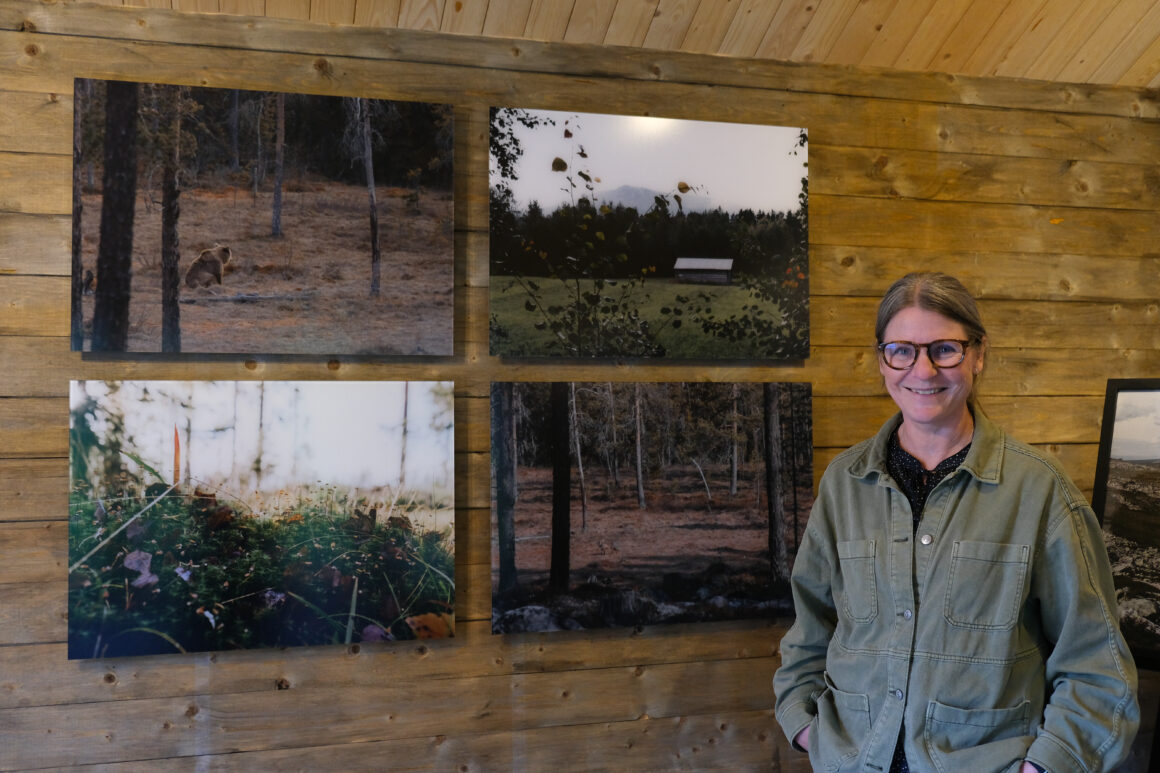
(312, 285)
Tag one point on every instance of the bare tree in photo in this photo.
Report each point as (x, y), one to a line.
(360, 144)
(503, 462)
(279, 163)
(80, 105)
(774, 471)
(561, 488)
(119, 196)
(170, 217)
(638, 418)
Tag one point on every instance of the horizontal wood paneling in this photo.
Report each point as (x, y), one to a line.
(1042, 197)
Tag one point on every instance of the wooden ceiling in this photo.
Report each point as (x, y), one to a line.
(1079, 41)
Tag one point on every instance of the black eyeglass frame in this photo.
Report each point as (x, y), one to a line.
(919, 347)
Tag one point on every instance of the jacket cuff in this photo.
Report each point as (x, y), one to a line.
(1051, 756)
(794, 719)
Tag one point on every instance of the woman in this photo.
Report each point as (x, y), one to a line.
(955, 608)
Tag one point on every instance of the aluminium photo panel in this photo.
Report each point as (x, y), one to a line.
(225, 515)
(222, 221)
(618, 236)
(624, 504)
(1126, 497)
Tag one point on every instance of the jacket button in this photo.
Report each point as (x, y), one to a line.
(898, 694)
(926, 539)
(907, 614)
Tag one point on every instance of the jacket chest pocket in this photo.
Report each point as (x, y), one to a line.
(985, 589)
(858, 580)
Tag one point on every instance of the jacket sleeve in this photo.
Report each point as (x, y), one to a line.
(1092, 712)
(801, 677)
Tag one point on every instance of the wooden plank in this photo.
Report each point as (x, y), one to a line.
(860, 32)
(836, 270)
(34, 489)
(1105, 39)
(40, 674)
(548, 20)
(33, 427)
(34, 305)
(1013, 23)
(670, 24)
(33, 612)
(984, 227)
(649, 66)
(288, 9)
(243, 7)
(749, 27)
(1145, 71)
(897, 30)
(420, 14)
(967, 35)
(50, 112)
(332, 11)
(732, 741)
(1047, 24)
(1068, 40)
(287, 719)
(711, 22)
(936, 26)
(35, 244)
(973, 178)
(630, 22)
(1136, 39)
(589, 21)
(824, 28)
(464, 17)
(785, 30)
(506, 18)
(377, 13)
(33, 552)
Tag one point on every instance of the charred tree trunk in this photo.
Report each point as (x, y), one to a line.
(76, 293)
(561, 489)
(170, 216)
(774, 470)
(118, 201)
(503, 464)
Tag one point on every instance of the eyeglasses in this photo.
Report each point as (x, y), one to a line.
(944, 353)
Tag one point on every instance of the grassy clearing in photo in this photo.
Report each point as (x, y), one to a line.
(214, 561)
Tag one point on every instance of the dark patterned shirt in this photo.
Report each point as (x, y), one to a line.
(916, 483)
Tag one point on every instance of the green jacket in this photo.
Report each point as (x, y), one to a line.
(993, 631)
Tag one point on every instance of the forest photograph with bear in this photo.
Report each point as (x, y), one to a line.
(242, 222)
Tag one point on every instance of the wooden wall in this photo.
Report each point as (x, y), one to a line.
(1042, 198)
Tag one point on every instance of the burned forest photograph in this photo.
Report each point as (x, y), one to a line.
(632, 503)
(245, 222)
(225, 515)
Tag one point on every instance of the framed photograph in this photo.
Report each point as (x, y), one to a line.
(620, 236)
(218, 515)
(625, 504)
(1126, 497)
(242, 222)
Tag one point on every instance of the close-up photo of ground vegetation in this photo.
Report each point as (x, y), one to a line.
(238, 515)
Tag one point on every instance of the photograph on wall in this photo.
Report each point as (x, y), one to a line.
(631, 503)
(620, 236)
(226, 515)
(1126, 497)
(249, 222)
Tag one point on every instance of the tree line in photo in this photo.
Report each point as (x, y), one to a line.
(140, 141)
(580, 271)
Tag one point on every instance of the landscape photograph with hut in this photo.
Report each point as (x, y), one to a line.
(623, 236)
(226, 515)
(640, 503)
(224, 221)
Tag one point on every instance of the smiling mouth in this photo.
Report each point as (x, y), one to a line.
(932, 391)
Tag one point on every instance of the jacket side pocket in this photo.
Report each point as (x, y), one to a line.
(977, 739)
(985, 589)
(841, 726)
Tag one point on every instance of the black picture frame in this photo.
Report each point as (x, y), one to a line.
(1128, 514)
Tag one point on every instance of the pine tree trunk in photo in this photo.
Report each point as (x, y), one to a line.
(560, 569)
(774, 470)
(734, 443)
(118, 200)
(575, 421)
(503, 463)
(76, 291)
(403, 443)
(369, 166)
(279, 163)
(170, 243)
(232, 121)
(613, 459)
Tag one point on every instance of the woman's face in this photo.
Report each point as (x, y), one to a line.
(930, 397)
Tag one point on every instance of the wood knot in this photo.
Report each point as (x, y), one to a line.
(32, 50)
(282, 683)
(324, 68)
(192, 711)
(251, 364)
(333, 364)
(355, 649)
(110, 678)
(848, 261)
(28, 26)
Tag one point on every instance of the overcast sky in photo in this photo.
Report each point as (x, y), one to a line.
(736, 166)
(1136, 434)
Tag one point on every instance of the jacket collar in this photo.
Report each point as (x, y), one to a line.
(983, 462)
